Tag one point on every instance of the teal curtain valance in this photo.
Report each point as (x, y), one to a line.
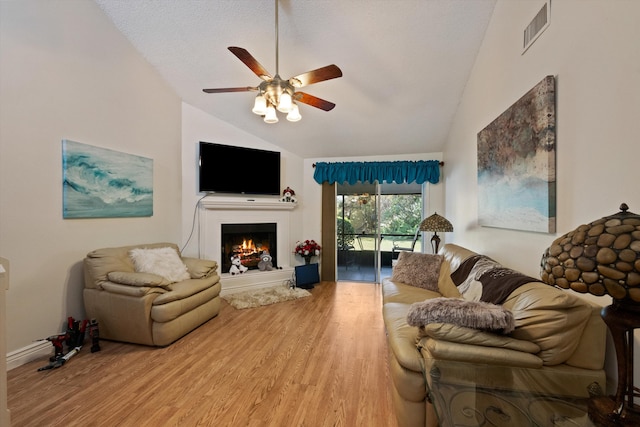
(420, 171)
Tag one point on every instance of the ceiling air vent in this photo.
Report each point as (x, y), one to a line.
(537, 26)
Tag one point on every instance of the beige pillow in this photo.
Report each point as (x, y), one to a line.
(418, 269)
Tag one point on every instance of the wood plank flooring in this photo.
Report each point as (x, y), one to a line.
(361, 273)
(317, 361)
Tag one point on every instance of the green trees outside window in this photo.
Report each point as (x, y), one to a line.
(357, 218)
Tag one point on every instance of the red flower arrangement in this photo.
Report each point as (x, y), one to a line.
(307, 249)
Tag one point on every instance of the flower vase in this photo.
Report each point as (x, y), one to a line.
(307, 260)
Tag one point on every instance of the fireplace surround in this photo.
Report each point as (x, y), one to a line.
(241, 213)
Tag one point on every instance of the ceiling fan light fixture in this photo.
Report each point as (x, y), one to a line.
(270, 115)
(276, 93)
(260, 105)
(285, 103)
(294, 114)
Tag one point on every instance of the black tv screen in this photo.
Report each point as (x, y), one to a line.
(238, 170)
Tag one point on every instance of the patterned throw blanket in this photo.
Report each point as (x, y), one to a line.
(479, 278)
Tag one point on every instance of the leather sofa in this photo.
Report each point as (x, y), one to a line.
(147, 308)
(444, 374)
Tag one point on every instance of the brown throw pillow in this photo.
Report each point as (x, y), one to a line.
(418, 269)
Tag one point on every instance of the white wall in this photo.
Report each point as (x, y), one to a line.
(200, 126)
(592, 49)
(67, 73)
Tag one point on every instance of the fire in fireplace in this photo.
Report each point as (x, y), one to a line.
(248, 241)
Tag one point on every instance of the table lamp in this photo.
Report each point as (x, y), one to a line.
(603, 258)
(435, 223)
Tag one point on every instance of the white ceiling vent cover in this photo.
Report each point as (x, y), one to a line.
(537, 26)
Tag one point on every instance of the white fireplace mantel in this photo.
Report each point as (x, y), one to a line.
(249, 203)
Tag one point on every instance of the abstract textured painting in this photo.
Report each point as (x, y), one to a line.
(102, 183)
(516, 164)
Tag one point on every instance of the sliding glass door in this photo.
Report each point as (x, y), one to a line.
(357, 232)
(373, 224)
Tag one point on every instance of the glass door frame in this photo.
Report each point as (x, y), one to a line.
(362, 193)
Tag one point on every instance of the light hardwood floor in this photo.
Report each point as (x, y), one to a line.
(317, 361)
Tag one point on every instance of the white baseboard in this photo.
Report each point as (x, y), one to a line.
(28, 354)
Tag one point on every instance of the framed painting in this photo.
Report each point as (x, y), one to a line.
(102, 183)
(517, 164)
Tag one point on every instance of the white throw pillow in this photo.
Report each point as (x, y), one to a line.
(164, 262)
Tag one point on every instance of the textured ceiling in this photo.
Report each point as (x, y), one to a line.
(404, 62)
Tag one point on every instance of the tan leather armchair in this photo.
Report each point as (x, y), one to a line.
(146, 308)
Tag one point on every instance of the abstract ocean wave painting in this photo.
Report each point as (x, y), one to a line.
(516, 164)
(103, 183)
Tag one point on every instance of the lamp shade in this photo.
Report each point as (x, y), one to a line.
(260, 105)
(294, 114)
(284, 104)
(270, 116)
(436, 223)
(602, 257)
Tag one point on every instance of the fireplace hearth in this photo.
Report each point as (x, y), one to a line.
(248, 241)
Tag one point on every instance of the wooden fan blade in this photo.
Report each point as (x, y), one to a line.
(321, 74)
(251, 62)
(305, 98)
(230, 89)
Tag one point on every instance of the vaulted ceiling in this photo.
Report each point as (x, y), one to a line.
(405, 64)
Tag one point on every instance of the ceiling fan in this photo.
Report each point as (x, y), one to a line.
(277, 93)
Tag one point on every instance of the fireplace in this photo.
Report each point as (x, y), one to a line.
(219, 211)
(248, 241)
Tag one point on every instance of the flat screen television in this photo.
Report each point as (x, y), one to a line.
(238, 170)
